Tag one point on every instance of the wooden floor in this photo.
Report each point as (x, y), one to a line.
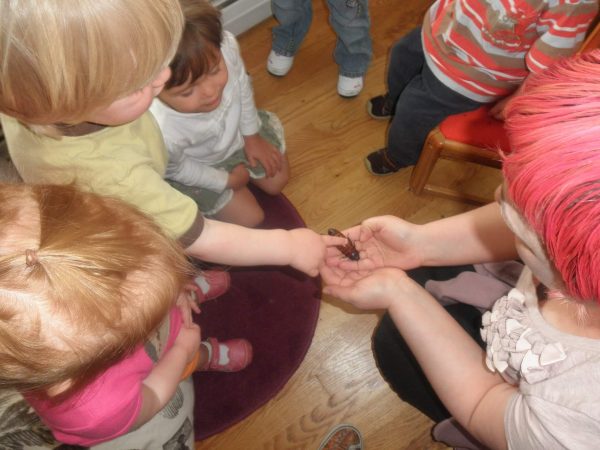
(328, 138)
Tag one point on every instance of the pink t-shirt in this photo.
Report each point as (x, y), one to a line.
(106, 408)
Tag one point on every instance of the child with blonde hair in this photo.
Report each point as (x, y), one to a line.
(217, 140)
(74, 96)
(535, 383)
(91, 335)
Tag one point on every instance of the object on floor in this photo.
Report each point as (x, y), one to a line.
(279, 65)
(380, 107)
(379, 163)
(232, 355)
(342, 437)
(276, 309)
(210, 284)
(349, 87)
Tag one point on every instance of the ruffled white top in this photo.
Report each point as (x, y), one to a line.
(558, 375)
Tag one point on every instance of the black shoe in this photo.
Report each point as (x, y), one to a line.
(379, 163)
(380, 107)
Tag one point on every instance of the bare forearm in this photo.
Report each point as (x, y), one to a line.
(454, 365)
(160, 385)
(226, 243)
(473, 237)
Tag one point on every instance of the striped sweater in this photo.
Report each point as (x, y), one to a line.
(484, 49)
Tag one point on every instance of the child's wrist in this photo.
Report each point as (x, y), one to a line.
(250, 137)
(180, 351)
(191, 366)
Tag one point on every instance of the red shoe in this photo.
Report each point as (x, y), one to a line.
(239, 355)
(210, 284)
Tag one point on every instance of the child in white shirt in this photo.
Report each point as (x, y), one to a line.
(217, 140)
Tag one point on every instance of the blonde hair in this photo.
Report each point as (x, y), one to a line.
(84, 280)
(60, 60)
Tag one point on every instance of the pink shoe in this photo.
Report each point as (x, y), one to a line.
(239, 355)
(210, 284)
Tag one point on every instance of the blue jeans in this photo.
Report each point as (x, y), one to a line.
(349, 19)
(421, 100)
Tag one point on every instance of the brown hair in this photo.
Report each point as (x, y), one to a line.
(84, 280)
(200, 44)
(60, 61)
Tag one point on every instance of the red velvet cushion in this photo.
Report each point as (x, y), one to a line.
(476, 128)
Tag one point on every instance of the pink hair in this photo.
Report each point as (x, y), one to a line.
(553, 172)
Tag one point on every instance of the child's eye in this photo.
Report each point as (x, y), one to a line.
(186, 93)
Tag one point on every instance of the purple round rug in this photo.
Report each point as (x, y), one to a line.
(276, 309)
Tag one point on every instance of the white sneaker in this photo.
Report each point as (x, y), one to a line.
(279, 65)
(349, 87)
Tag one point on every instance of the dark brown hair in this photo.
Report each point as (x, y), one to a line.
(200, 44)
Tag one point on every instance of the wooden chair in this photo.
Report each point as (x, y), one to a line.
(470, 137)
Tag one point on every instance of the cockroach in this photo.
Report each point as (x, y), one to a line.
(348, 250)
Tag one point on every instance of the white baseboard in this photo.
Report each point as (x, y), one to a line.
(241, 15)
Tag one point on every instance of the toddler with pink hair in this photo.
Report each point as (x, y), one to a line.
(525, 374)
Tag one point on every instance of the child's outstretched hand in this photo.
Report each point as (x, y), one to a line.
(384, 241)
(238, 177)
(369, 289)
(309, 249)
(259, 150)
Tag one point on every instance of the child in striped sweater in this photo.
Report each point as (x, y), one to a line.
(468, 53)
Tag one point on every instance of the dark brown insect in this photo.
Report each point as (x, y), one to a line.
(349, 250)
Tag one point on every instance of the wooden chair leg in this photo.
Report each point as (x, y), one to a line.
(429, 156)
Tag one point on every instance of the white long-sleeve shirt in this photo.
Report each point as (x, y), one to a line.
(198, 141)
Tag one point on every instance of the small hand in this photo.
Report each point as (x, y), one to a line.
(384, 241)
(259, 150)
(308, 250)
(238, 177)
(188, 339)
(188, 303)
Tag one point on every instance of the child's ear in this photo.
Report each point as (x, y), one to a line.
(59, 388)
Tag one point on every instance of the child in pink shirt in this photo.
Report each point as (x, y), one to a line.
(91, 334)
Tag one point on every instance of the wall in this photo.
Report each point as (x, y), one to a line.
(240, 15)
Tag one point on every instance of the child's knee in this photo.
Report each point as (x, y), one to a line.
(276, 187)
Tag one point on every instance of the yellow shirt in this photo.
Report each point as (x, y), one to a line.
(127, 162)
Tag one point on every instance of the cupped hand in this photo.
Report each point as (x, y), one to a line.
(369, 289)
(384, 241)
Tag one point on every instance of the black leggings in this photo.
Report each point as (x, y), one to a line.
(397, 363)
